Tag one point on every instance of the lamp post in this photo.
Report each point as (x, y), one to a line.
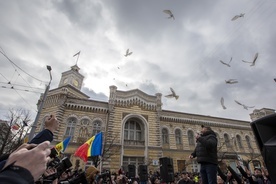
(31, 135)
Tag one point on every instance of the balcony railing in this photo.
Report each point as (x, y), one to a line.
(134, 142)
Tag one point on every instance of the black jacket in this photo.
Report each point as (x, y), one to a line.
(44, 135)
(206, 148)
(15, 174)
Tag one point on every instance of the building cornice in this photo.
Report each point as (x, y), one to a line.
(86, 105)
(226, 123)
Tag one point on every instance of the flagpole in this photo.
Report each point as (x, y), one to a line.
(101, 164)
(78, 53)
(77, 59)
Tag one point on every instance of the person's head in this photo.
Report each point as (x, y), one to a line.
(184, 175)
(257, 172)
(229, 174)
(205, 129)
(234, 181)
(155, 180)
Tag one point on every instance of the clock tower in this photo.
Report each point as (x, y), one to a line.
(72, 77)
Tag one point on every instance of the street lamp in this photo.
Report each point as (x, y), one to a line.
(31, 135)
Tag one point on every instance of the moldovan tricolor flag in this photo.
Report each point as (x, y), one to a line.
(60, 147)
(92, 147)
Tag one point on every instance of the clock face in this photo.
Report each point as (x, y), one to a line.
(65, 81)
(75, 82)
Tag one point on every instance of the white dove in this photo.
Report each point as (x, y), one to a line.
(222, 103)
(237, 16)
(227, 64)
(128, 53)
(173, 95)
(170, 13)
(254, 60)
(244, 106)
(231, 81)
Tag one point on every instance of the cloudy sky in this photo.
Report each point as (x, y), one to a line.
(184, 53)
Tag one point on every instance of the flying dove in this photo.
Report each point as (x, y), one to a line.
(128, 53)
(227, 64)
(254, 60)
(170, 13)
(237, 16)
(244, 106)
(231, 81)
(222, 103)
(275, 79)
(172, 95)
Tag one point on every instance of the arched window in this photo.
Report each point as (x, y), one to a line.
(247, 138)
(178, 138)
(191, 137)
(71, 124)
(133, 130)
(85, 122)
(165, 136)
(238, 138)
(227, 140)
(97, 127)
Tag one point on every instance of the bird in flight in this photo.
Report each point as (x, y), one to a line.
(231, 81)
(227, 64)
(244, 106)
(128, 53)
(222, 103)
(254, 60)
(172, 95)
(237, 16)
(275, 79)
(170, 14)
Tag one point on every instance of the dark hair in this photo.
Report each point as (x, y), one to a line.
(208, 128)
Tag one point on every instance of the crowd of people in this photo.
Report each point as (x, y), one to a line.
(32, 163)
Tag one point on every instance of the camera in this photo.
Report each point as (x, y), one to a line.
(60, 166)
(53, 153)
(77, 178)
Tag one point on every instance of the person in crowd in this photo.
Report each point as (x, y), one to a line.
(260, 175)
(177, 177)
(26, 164)
(231, 176)
(91, 174)
(206, 154)
(185, 179)
(155, 180)
(113, 178)
(220, 180)
(51, 125)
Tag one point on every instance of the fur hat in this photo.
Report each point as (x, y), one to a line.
(91, 172)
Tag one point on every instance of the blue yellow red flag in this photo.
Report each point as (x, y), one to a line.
(92, 147)
(60, 147)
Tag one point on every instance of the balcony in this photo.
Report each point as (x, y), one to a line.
(179, 146)
(134, 143)
(81, 140)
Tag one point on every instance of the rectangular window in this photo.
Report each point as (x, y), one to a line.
(133, 161)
